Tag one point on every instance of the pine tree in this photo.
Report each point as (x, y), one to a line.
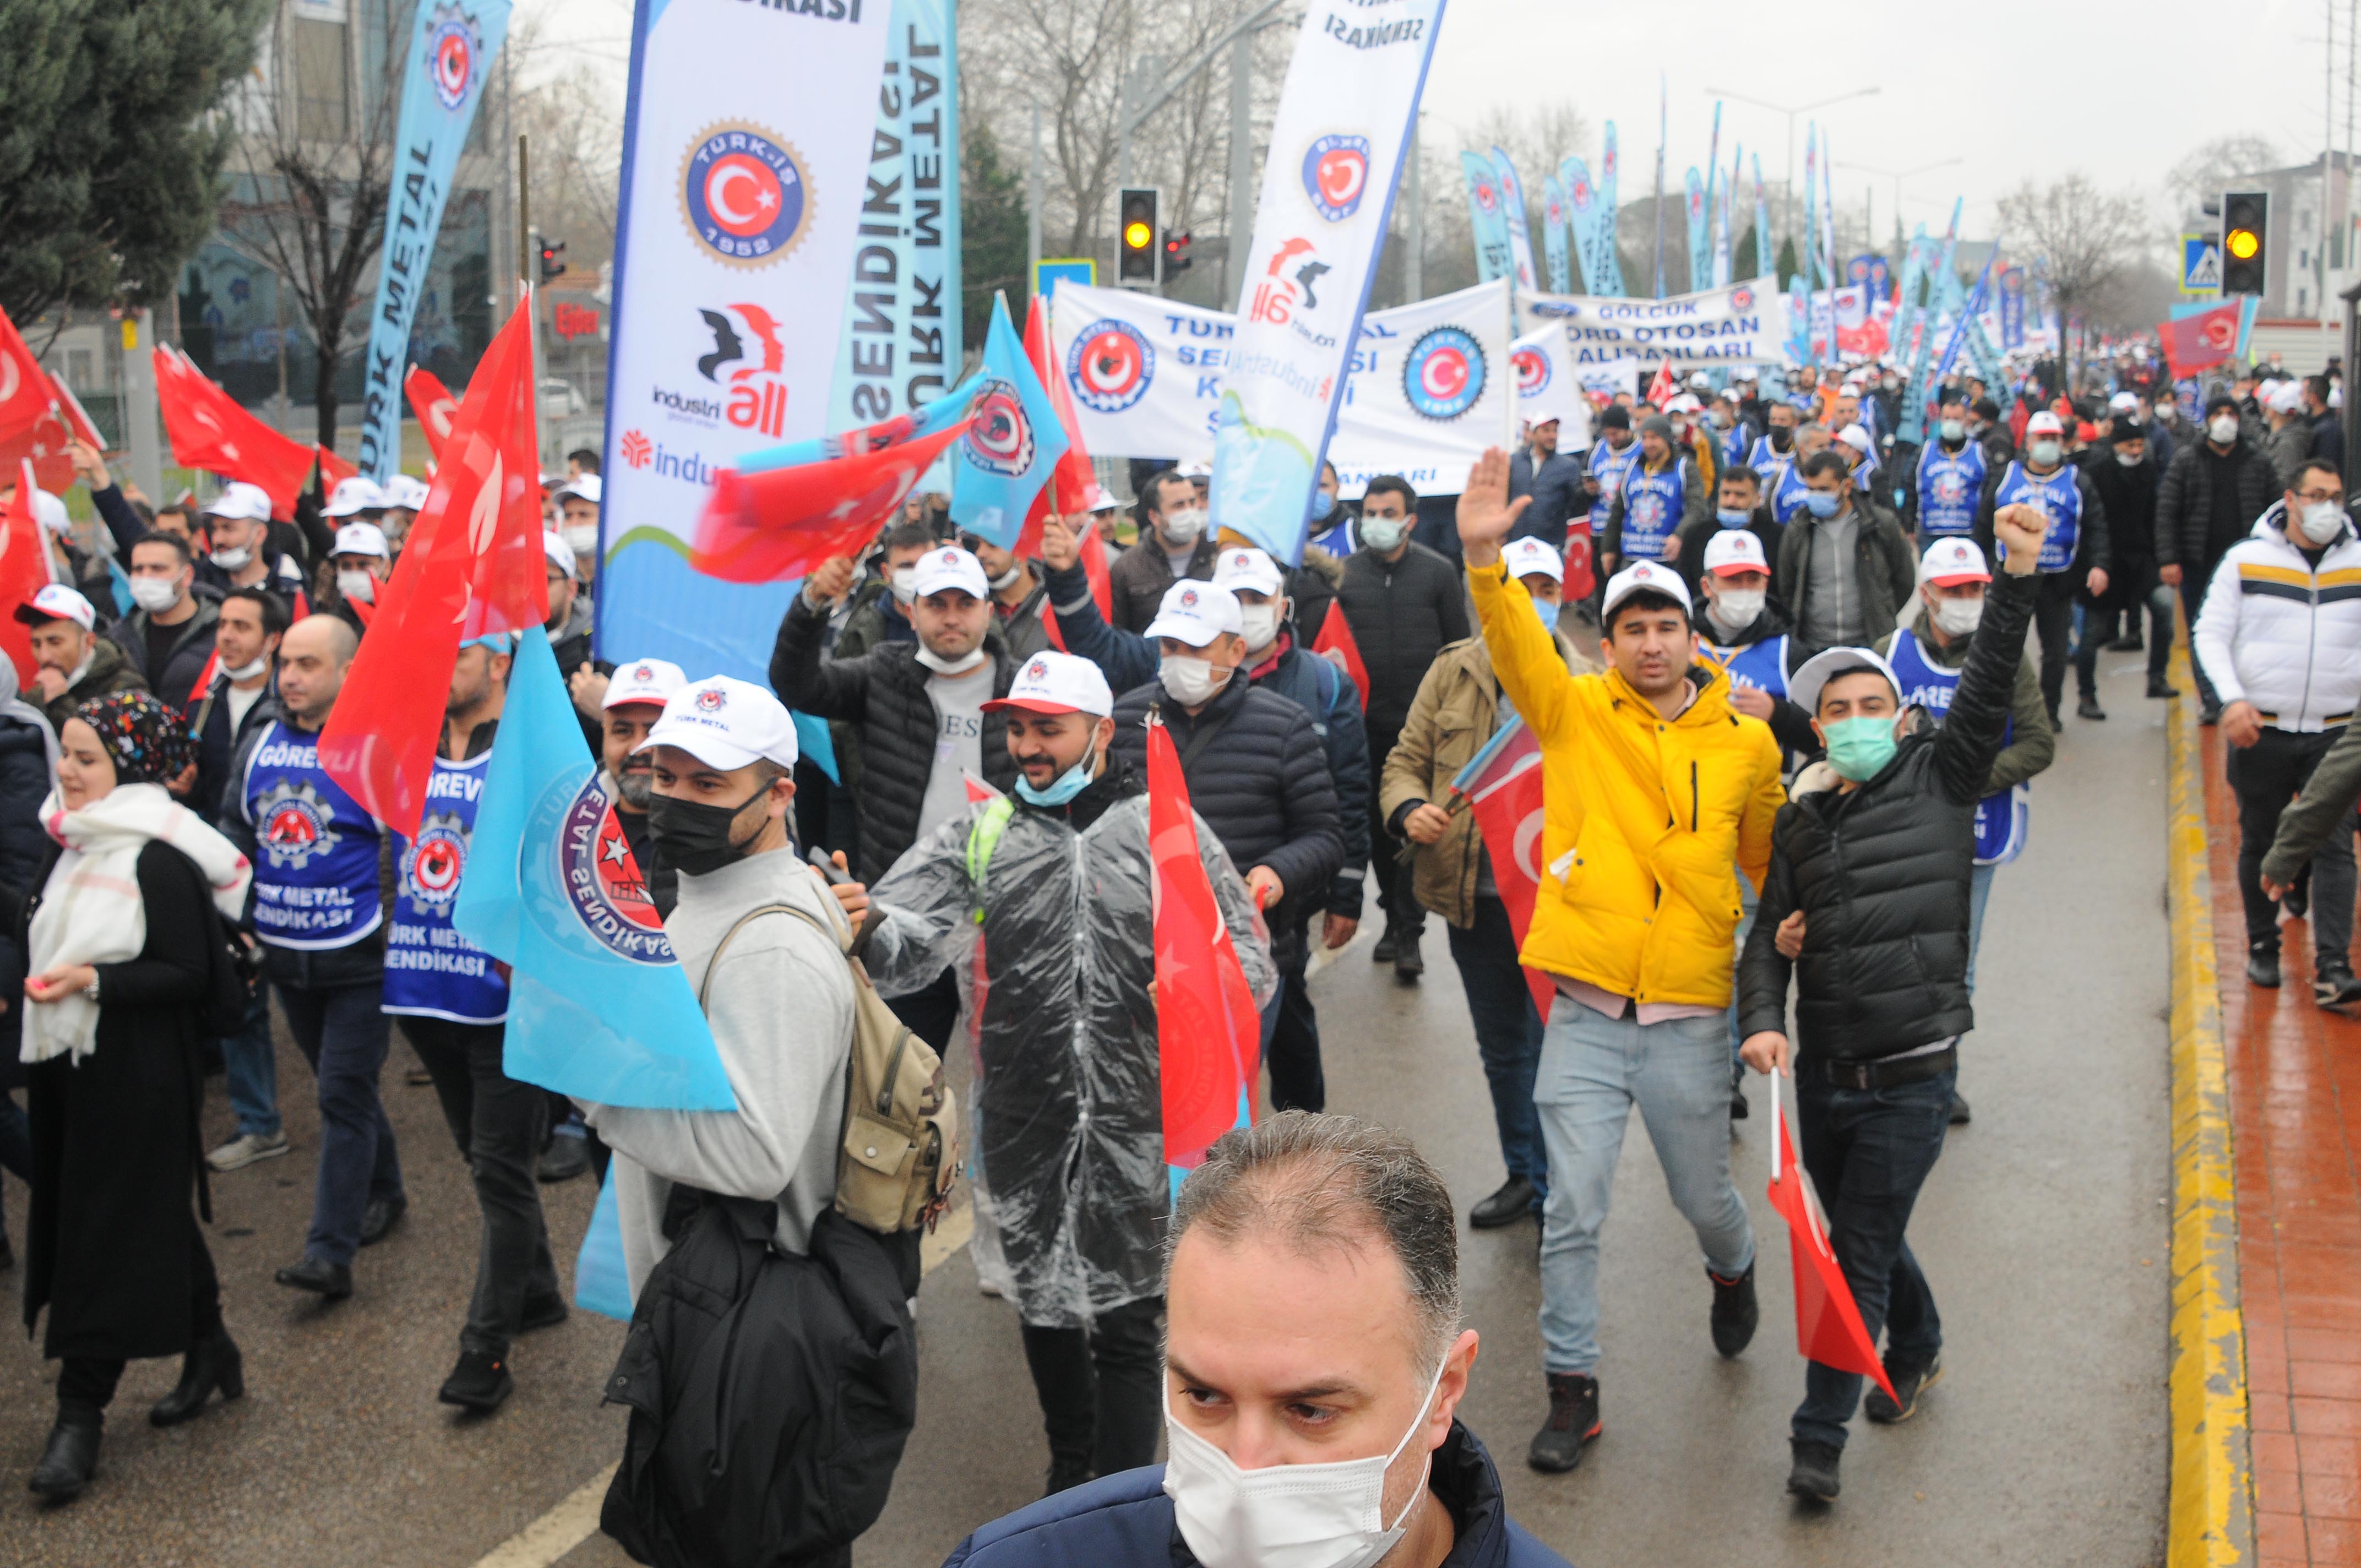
(1742, 256)
(1787, 266)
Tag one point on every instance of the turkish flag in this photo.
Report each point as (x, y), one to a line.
(435, 406)
(210, 431)
(334, 470)
(1502, 785)
(1337, 637)
(1072, 483)
(24, 572)
(1829, 1329)
(25, 392)
(1208, 1029)
(1663, 388)
(473, 566)
(44, 444)
(2203, 339)
(777, 525)
(1579, 577)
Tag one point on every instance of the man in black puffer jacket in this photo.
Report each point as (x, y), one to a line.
(1258, 773)
(1868, 886)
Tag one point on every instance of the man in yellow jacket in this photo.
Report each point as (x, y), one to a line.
(1658, 796)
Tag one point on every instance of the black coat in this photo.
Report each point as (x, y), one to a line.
(1882, 874)
(184, 659)
(2129, 496)
(110, 1246)
(1402, 613)
(1557, 495)
(218, 742)
(1141, 574)
(2187, 532)
(25, 847)
(883, 695)
(1262, 784)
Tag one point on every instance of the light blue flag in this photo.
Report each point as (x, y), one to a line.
(1554, 222)
(1609, 241)
(603, 1283)
(120, 580)
(451, 49)
(1003, 462)
(1766, 258)
(599, 1007)
(1488, 217)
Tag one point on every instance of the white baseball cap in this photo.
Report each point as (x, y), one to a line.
(1954, 560)
(240, 500)
(1804, 685)
(359, 539)
(725, 723)
(1682, 404)
(584, 486)
(1653, 576)
(358, 494)
(561, 554)
(50, 511)
(1529, 557)
(1051, 682)
(2286, 398)
(948, 567)
(1856, 437)
(2122, 401)
(2044, 423)
(643, 680)
(1252, 570)
(1196, 613)
(55, 601)
(1735, 550)
(1103, 499)
(405, 492)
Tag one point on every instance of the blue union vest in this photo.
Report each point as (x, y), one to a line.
(1787, 493)
(1607, 467)
(2060, 496)
(315, 862)
(1763, 665)
(1949, 486)
(429, 967)
(1652, 508)
(2001, 819)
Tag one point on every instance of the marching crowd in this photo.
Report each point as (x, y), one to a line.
(1771, 639)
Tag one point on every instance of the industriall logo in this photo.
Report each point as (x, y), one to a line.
(1109, 367)
(744, 194)
(643, 455)
(602, 882)
(749, 361)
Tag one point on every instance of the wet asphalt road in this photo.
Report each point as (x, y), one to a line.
(2043, 1230)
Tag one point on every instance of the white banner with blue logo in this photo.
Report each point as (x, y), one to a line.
(747, 144)
(1336, 142)
(452, 45)
(1550, 387)
(1745, 323)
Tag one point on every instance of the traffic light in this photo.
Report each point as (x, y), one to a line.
(2246, 235)
(1176, 253)
(552, 258)
(1137, 260)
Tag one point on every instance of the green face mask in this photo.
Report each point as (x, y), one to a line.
(1859, 748)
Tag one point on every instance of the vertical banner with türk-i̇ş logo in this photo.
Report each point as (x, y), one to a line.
(452, 47)
(746, 164)
(1345, 114)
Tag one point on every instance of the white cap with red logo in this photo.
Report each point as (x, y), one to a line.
(1196, 613)
(949, 568)
(1057, 683)
(1735, 550)
(725, 723)
(1252, 570)
(359, 539)
(55, 601)
(406, 491)
(643, 681)
(1648, 576)
(358, 494)
(1950, 561)
(240, 500)
(1528, 557)
(2044, 423)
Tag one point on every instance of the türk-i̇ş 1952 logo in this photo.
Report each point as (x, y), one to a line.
(453, 48)
(1110, 366)
(1442, 376)
(744, 194)
(602, 882)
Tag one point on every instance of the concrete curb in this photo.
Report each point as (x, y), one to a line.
(2211, 1520)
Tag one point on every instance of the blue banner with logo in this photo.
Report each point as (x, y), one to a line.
(452, 46)
(1766, 260)
(1554, 222)
(1606, 240)
(1488, 217)
(1700, 256)
(599, 1007)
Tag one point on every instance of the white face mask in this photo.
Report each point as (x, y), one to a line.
(154, 594)
(1384, 534)
(1955, 431)
(2223, 429)
(2167, 413)
(1007, 579)
(1285, 1515)
(247, 671)
(358, 586)
(905, 585)
(1261, 625)
(2129, 459)
(231, 560)
(1737, 607)
(1185, 526)
(2044, 453)
(1959, 617)
(1192, 681)
(2320, 521)
(582, 538)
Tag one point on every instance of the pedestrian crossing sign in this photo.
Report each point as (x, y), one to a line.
(2200, 264)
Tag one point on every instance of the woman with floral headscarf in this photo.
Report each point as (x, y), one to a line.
(120, 955)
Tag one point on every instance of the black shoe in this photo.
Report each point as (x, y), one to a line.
(333, 1281)
(2158, 687)
(2131, 644)
(2089, 708)
(2057, 721)
(2263, 965)
(1065, 1475)
(1957, 1110)
(2333, 983)
(210, 1364)
(2296, 900)
(382, 1215)
(565, 1159)
(545, 1313)
(1383, 953)
(72, 1457)
(1909, 1381)
(1814, 1477)
(479, 1383)
(1573, 1423)
(1735, 1311)
(1407, 964)
(1513, 1203)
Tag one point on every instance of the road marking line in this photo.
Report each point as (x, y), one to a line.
(555, 1533)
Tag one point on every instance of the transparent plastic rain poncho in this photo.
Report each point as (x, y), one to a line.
(1068, 1145)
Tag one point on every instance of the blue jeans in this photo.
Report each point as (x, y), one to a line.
(251, 1069)
(344, 1036)
(1508, 1036)
(1979, 894)
(1593, 1070)
(1868, 1152)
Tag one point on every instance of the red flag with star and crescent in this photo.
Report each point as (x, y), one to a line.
(25, 394)
(473, 566)
(777, 525)
(208, 430)
(1829, 1329)
(435, 406)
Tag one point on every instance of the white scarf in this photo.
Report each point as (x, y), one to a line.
(90, 912)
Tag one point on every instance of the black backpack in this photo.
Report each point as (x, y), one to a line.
(770, 1394)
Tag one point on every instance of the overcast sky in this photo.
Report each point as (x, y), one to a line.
(2018, 90)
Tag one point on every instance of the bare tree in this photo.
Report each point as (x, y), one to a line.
(573, 120)
(2206, 171)
(2083, 237)
(1536, 137)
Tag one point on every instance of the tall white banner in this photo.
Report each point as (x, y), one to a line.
(1745, 323)
(1549, 387)
(747, 146)
(1431, 386)
(1337, 143)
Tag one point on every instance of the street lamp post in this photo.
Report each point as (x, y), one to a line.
(1791, 113)
(1898, 176)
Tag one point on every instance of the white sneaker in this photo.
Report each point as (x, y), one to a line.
(245, 1149)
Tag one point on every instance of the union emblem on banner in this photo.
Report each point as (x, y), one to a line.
(744, 194)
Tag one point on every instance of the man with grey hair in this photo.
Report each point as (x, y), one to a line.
(1314, 1362)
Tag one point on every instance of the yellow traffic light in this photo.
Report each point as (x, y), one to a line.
(2243, 243)
(1137, 236)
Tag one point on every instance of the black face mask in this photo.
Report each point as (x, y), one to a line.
(1782, 437)
(696, 839)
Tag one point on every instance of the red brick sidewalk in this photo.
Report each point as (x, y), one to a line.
(2295, 1106)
